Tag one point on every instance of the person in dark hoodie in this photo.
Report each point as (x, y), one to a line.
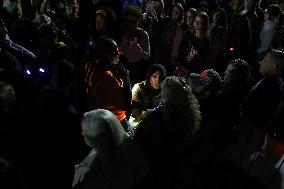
(260, 104)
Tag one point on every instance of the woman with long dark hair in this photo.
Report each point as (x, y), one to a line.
(145, 94)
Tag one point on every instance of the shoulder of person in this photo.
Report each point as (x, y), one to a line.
(141, 32)
(61, 44)
(138, 86)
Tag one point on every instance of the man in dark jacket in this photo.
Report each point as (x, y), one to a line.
(260, 104)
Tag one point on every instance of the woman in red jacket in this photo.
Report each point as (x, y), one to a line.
(107, 81)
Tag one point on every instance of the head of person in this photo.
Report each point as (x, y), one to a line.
(64, 74)
(272, 12)
(24, 29)
(7, 97)
(48, 35)
(219, 18)
(72, 8)
(238, 72)
(13, 7)
(159, 6)
(201, 22)
(190, 17)
(177, 12)
(106, 51)
(239, 30)
(36, 3)
(41, 20)
(272, 63)
(102, 20)
(177, 97)
(236, 5)
(132, 17)
(102, 130)
(250, 5)
(155, 75)
(206, 83)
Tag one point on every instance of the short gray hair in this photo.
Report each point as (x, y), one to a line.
(102, 121)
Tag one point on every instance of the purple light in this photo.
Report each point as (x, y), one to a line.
(41, 70)
(28, 72)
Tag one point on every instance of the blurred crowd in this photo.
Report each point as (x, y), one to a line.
(134, 93)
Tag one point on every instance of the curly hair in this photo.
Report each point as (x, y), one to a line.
(181, 108)
(243, 70)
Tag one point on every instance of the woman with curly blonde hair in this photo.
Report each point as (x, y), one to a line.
(165, 132)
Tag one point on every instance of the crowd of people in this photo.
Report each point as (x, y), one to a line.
(133, 93)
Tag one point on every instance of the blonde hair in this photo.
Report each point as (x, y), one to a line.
(181, 107)
(205, 19)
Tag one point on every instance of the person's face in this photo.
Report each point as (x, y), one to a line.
(248, 4)
(155, 80)
(216, 17)
(176, 13)
(33, 3)
(189, 19)
(199, 24)
(131, 22)
(267, 67)
(100, 23)
(235, 4)
(113, 57)
(72, 11)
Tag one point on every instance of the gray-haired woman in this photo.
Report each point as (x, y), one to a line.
(115, 160)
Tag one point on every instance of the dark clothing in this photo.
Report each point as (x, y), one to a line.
(277, 129)
(165, 150)
(193, 53)
(53, 142)
(163, 33)
(143, 97)
(10, 67)
(259, 107)
(218, 41)
(153, 136)
(230, 98)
